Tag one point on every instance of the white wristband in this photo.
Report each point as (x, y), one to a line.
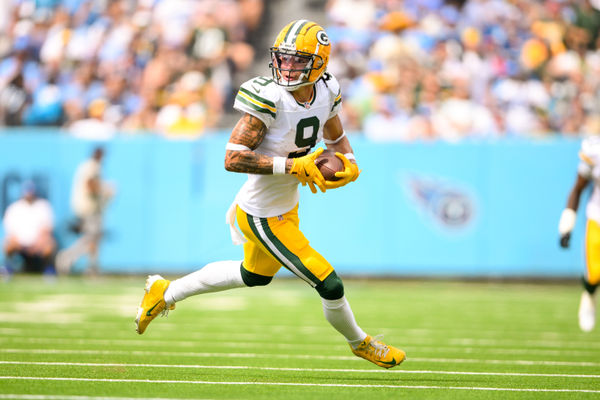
(350, 156)
(279, 165)
(236, 147)
(327, 141)
(567, 221)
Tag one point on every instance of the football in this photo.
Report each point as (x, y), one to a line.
(328, 163)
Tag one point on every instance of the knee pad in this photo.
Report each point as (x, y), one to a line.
(331, 288)
(251, 279)
(589, 287)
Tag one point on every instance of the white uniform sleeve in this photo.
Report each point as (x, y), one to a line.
(584, 169)
(335, 94)
(589, 156)
(258, 97)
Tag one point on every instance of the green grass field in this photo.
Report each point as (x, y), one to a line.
(75, 340)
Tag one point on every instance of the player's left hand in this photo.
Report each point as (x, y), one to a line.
(349, 174)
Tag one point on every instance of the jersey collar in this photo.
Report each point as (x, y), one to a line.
(311, 101)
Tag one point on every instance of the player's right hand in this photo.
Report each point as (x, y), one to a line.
(564, 240)
(306, 171)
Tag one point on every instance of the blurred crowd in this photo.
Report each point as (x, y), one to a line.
(454, 69)
(98, 67)
(409, 69)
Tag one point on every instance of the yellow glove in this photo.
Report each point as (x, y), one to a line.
(306, 171)
(349, 174)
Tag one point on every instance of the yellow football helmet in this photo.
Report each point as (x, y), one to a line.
(300, 54)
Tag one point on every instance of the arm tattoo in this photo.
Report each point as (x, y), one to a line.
(249, 132)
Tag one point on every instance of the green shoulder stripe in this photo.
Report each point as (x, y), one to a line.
(254, 106)
(258, 98)
(336, 102)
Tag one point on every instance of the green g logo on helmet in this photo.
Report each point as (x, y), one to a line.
(323, 38)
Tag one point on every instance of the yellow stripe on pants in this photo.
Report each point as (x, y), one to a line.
(592, 252)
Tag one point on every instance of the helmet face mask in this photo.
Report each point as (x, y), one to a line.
(293, 70)
(299, 55)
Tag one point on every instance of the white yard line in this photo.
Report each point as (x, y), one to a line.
(415, 335)
(297, 356)
(79, 337)
(67, 397)
(248, 367)
(507, 362)
(136, 342)
(253, 326)
(338, 385)
(249, 343)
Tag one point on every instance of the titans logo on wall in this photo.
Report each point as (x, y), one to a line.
(450, 206)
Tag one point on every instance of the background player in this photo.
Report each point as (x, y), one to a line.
(284, 118)
(90, 194)
(29, 228)
(587, 171)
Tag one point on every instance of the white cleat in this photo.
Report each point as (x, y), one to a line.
(587, 312)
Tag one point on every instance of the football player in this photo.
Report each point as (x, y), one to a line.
(284, 117)
(588, 171)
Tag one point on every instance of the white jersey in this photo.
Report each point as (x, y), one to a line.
(589, 167)
(83, 202)
(25, 221)
(293, 130)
